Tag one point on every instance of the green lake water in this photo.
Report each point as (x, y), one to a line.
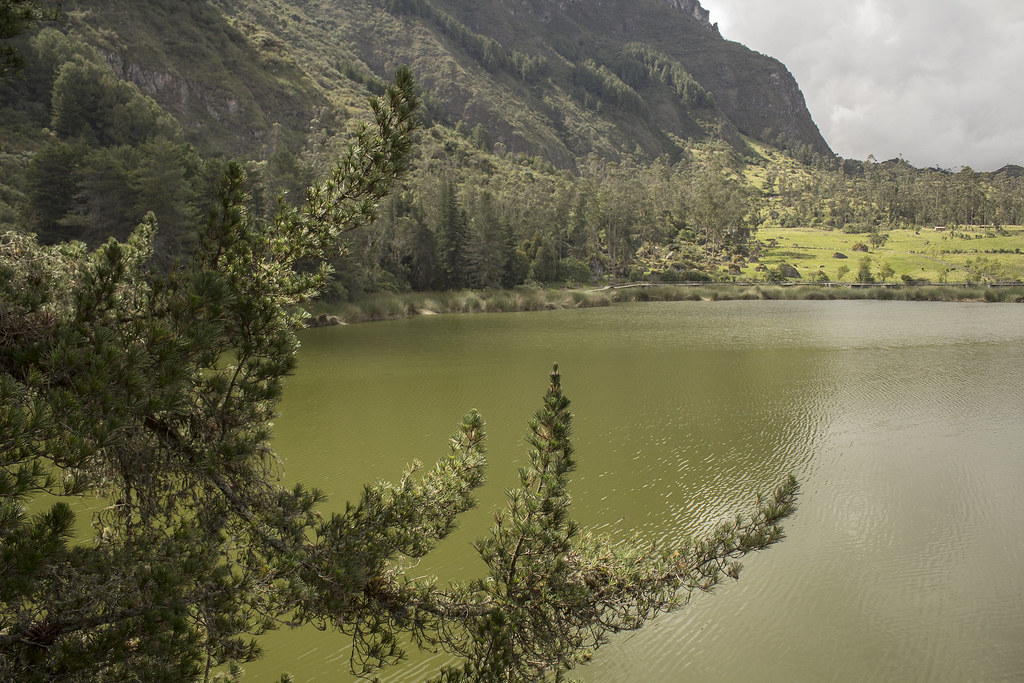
(903, 421)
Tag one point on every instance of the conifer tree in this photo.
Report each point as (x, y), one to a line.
(485, 252)
(452, 232)
(556, 592)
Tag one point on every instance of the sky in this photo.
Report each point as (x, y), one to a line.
(940, 82)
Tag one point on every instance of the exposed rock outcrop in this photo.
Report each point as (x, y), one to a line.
(694, 9)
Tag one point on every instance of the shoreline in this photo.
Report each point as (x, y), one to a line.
(397, 306)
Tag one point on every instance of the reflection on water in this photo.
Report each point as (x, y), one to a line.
(902, 420)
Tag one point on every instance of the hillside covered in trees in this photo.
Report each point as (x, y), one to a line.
(563, 143)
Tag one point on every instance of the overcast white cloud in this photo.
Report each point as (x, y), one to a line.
(939, 81)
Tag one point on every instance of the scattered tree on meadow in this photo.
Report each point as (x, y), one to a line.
(864, 273)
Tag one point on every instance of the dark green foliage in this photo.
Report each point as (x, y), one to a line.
(361, 75)
(517, 268)
(572, 270)
(115, 156)
(17, 16)
(871, 198)
(600, 85)
(49, 184)
(491, 54)
(487, 249)
(658, 65)
(114, 385)
(679, 276)
(543, 258)
(480, 138)
(91, 103)
(32, 90)
(720, 205)
(452, 236)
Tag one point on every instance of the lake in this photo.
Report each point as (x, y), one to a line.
(904, 423)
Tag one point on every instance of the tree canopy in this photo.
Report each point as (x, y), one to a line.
(153, 391)
(16, 16)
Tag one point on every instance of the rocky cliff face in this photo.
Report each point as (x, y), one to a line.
(175, 93)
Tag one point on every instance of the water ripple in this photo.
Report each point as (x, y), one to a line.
(903, 423)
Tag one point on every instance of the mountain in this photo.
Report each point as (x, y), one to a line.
(564, 140)
(561, 79)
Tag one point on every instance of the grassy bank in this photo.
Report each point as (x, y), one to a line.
(394, 306)
(928, 254)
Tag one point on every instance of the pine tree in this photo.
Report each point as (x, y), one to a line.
(452, 234)
(555, 592)
(485, 255)
(155, 393)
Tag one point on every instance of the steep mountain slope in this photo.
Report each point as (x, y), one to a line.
(750, 92)
(558, 78)
(227, 83)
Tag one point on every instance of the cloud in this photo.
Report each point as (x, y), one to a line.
(939, 81)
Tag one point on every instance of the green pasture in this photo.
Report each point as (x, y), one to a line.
(971, 254)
